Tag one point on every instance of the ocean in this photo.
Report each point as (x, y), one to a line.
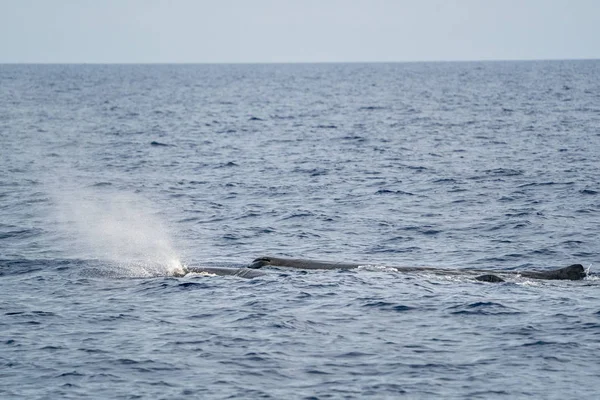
(115, 177)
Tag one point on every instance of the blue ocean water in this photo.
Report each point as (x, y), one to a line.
(113, 176)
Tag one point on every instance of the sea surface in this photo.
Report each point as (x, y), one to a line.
(115, 177)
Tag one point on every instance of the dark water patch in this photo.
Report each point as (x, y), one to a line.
(483, 308)
(534, 184)
(426, 229)
(231, 236)
(311, 171)
(193, 286)
(228, 164)
(487, 394)
(30, 322)
(588, 191)
(546, 343)
(394, 249)
(120, 316)
(94, 351)
(150, 287)
(584, 254)
(265, 230)
(399, 192)
(283, 117)
(356, 138)
(543, 252)
(417, 168)
(102, 184)
(14, 313)
(70, 386)
(249, 214)
(538, 343)
(371, 108)
(301, 214)
(442, 367)
(331, 126)
(444, 180)
(504, 172)
(70, 374)
(160, 144)
(522, 225)
(192, 182)
(517, 214)
(527, 330)
(354, 354)
(126, 361)
(25, 266)
(572, 243)
(19, 234)
(387, 306)
(43, 313)
(312, 371)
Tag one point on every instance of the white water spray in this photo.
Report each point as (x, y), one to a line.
(122, 229)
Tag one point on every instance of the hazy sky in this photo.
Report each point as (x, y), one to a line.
(207, 31)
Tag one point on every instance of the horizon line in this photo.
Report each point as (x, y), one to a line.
(288, 62)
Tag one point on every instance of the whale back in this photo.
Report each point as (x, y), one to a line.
(572, 272)
(299, 263)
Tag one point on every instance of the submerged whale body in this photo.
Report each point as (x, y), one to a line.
(221, 271)
(573, 272)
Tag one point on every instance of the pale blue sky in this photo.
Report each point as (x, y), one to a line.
(203, 31)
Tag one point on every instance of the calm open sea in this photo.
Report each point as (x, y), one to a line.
(113, 176)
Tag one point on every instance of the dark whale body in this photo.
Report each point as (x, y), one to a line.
(489, 278)
(573, 272)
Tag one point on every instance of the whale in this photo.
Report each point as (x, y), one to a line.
(254, 270)
(572, 272)
(220, 271)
